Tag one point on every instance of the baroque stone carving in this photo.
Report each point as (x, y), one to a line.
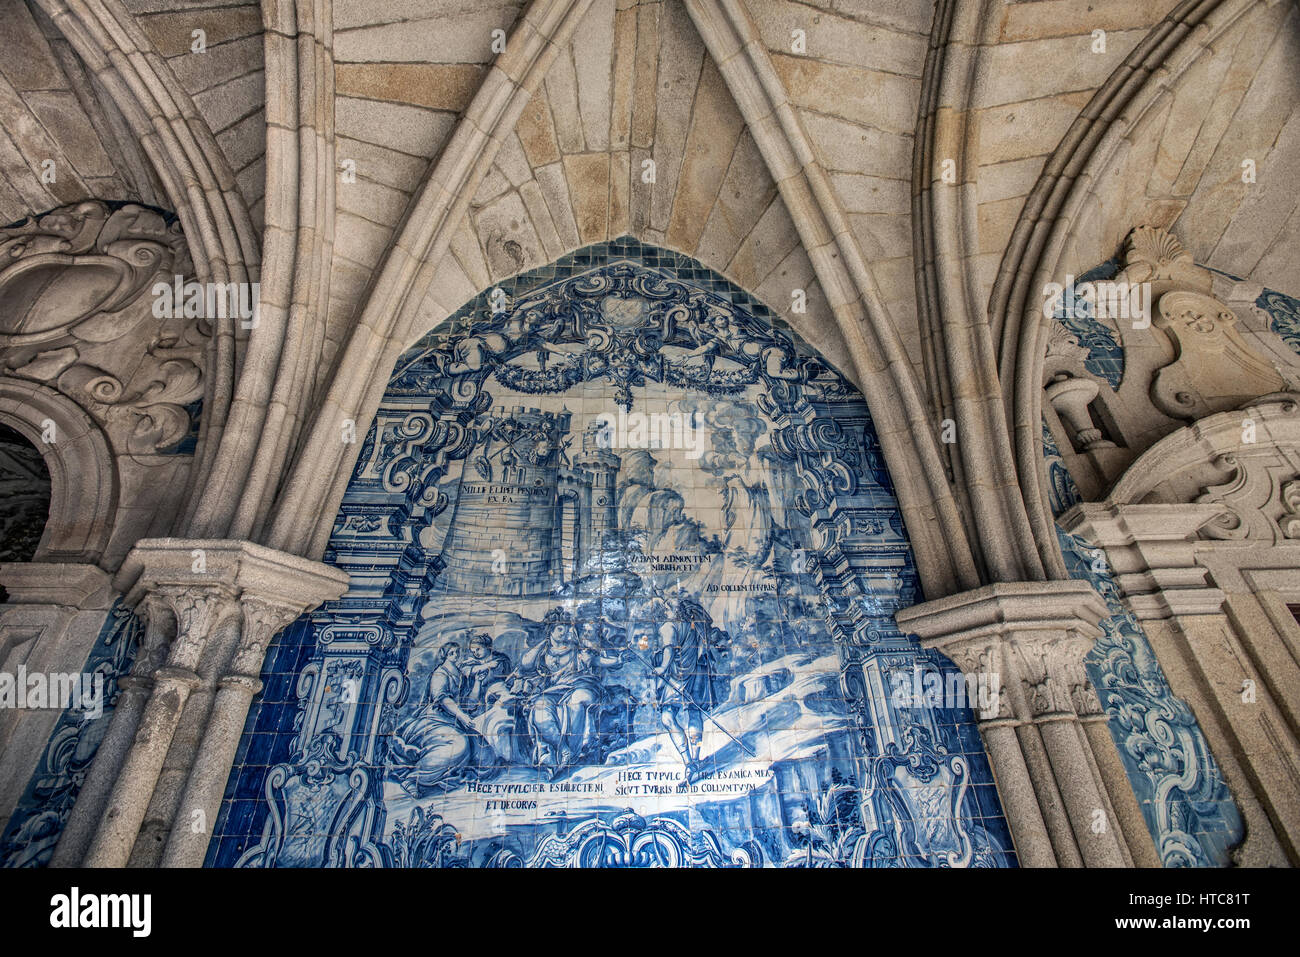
(1261, 499)
(1070, 398)
(1214, 370)
(79, 317)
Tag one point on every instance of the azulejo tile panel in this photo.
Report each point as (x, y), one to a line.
(1284, 316)
(1105, 353)
(37, 823)
(1180, 789)
(624, 559)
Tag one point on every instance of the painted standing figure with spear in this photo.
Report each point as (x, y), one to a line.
(688, 685)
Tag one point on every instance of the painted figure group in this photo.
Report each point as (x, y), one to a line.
(555, 709)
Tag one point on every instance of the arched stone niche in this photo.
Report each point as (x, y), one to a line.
(83, 475)
(24, 497)
(100, 372)
(704, 669)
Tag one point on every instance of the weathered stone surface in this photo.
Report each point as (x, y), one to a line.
(562, 97)
(509, 241)
(588, 177)
(715, 128)
(437, 86)
(885, 101)
(173, 32)
(1026, 129)
(841, 145)
(223, 106)
(380, 164)
(409, 31)
(681, 56)
(895, 48)
(28, 62)
(536, 132)
(396, 126)
(593, 61)
(68, 126)
(218, 64)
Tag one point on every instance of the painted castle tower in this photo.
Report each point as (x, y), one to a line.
(527, 520)
(588, 508)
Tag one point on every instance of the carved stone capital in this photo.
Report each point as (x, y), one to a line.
(1051, 675)
(198, 610)
(156, 634)
(1032, 635)
(263, 620)
(204, 582)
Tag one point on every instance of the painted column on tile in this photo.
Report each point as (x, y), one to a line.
(625, 558)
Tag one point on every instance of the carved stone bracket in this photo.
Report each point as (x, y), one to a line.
(1070, 396)
(1156, 256)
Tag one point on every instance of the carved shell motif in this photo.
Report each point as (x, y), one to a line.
(1156, 249)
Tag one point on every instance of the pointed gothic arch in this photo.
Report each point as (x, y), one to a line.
(776, 544)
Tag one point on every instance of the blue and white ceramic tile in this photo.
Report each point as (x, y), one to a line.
(38, 820)
(558, 650)
(1062, 493)
(1179, 787)
(1105, 353)
(1284, 316)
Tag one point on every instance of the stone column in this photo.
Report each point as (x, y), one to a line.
(207, 585)
(198, 609)
(133, 694)
(201, 801)
(1030, 639)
